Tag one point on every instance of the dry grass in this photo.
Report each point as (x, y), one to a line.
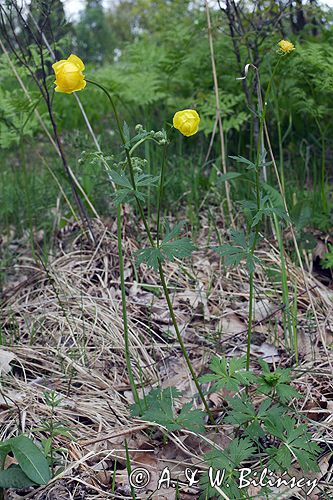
(62, 323)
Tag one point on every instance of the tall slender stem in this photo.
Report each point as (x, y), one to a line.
(152, 242)
(181, 343)
(323, 159)
(124, 311)
(160, 193)
(121, 266)
(262, 116)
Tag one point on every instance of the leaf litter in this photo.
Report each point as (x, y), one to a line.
(64, 329)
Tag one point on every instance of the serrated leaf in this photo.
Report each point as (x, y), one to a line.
(228, 176)
(242, 411)
(230, 374)
(177, 248)
(120, 179)
(150, 256)
(122, 196)
(274, 195)
(158, 407)
(169, 249)
(280, 458)
(146, 180)
(171, 234)
(277, 382)
(232, 255)
(241, 159)
(190, 419)
(286, 392)
(295, 441)
(240, 450)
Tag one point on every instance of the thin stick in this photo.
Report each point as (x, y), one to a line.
(218, 112)
(299, 258)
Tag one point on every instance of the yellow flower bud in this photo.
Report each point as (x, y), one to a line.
(285, 47)
(187, 122)
(69, 76)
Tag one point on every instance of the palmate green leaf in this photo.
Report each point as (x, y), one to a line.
(171, 234)
(306, 454)
(169, 249)
(228, 460)
(14, 477)
(268, 211)
(162, 413)
(266, 412)
(241, 249)
(146, 180)
(122, 196)
(158, 407)
(242, 411)
(286, 392)
(230, 374)
(191, 419)
(150, 256)
(232, 255)
(248, 205)
(295, 441)
(244, 414)
(177, 249)
(30, 459)
(240, 450)
(241, 159)
(277, 382)
(307, 459)
(281, 458)
(120, 179)
(149, 401)
(274, 195)
(126, 193)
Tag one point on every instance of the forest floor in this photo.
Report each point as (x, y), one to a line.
(62, 330)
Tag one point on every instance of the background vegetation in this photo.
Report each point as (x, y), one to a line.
(155, 68)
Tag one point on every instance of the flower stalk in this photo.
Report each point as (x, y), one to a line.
(262, 116)
(152, 242)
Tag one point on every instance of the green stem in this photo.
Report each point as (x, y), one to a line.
(145, 139)
(121, 262)
(323, 158)
(124, 310)
(182, 345)
(257, 182)
(160, 193)
(161, 272)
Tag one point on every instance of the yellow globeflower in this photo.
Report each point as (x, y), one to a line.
(69, 76)
(186, 121)
(285, 47)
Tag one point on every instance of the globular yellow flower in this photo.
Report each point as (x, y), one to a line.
(69, 76)
(187, 122)
(285, 47)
